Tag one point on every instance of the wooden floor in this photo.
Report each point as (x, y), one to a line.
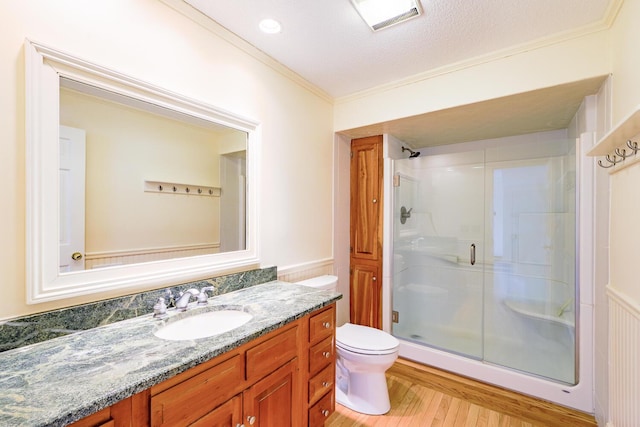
(424, 397)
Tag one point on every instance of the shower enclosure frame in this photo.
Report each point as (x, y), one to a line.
(579, 396)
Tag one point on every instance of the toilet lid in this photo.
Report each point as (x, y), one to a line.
(365, 340)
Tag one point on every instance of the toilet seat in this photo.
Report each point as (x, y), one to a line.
(365, 340)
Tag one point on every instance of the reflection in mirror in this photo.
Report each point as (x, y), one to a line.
(148, 184)
(104, 152)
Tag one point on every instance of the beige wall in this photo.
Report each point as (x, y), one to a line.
(625, 57)
(152, 42)
(480, 80)
(625, 197)
(625, 191)
(126, 146)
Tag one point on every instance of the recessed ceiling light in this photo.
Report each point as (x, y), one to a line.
(270, 26)
(379, 14)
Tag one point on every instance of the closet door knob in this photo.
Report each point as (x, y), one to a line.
(76, 256)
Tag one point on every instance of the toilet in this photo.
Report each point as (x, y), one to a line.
(363, 356)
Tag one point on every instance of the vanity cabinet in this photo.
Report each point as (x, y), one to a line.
(285, 378)
(256, 384)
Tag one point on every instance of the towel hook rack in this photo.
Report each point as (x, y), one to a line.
(619, 155)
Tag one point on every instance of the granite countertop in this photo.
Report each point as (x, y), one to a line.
(62, 380)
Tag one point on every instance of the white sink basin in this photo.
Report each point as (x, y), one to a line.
(203, 325)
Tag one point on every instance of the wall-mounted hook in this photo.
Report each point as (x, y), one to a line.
(602, 165)
(619, 155)
(622, 153)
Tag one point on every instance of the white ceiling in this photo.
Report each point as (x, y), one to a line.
(327, 43)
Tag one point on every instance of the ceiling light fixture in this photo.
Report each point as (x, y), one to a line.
(270, 26)
(379, 14)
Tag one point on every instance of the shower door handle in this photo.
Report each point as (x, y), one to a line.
(472, 255)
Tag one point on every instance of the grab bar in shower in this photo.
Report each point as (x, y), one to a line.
(472, 255)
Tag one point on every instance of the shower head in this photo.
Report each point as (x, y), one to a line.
(411, 152)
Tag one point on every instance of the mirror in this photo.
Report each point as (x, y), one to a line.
(146, 185)
(130, 185)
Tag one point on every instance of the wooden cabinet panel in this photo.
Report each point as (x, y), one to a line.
(320, 355)
(366, 232)
(271, 354)
(319, 412)
(322, 382)
(133, 411)
(274, 401)
(193, 398)
(366, 198)
(229, 414)
(366, 295)
(322, 325)
(99, 419)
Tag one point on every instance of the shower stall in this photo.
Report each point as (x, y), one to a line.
(483, 266)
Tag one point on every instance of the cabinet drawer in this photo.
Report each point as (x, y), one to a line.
(227, 414)
(191, 399)
(266, 357)
(322, 324)
(319, 412)
(321, 383)
(320, 355)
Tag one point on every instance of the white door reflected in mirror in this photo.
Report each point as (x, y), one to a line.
(72, 187)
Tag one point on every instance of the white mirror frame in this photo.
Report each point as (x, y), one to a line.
(44, 68)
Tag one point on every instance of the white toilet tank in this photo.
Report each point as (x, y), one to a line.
(326, 282)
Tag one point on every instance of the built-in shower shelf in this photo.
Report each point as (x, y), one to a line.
(617, 147)
(537, 311)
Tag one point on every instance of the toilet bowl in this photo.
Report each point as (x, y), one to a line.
(363, 355)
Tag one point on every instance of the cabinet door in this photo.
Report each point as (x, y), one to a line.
(229, 414)
(274, 401)
(193, 398)
(366, 198)
(366, 295)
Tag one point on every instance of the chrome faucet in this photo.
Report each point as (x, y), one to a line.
(203, 297)
(183, 301)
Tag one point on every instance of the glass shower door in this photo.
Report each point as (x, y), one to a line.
(484, 259)
(531, 246)
(438, 251)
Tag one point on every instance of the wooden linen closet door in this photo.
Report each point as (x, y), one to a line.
(365, 283)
